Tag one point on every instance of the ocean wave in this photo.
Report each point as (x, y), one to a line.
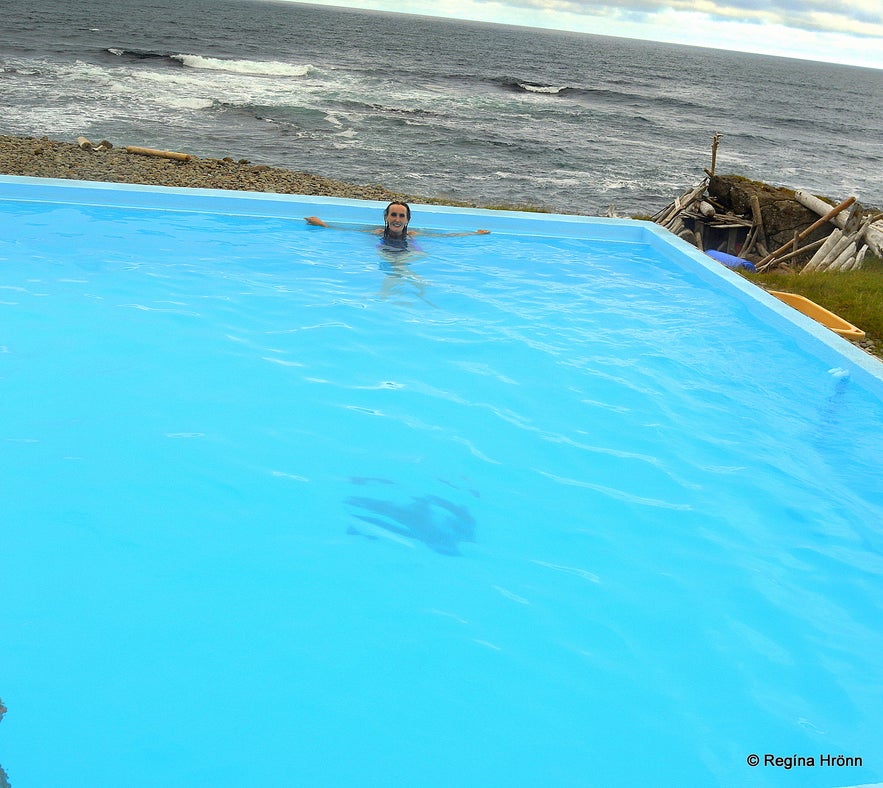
(597, 95)
(254, 67)
(20, 71)
(525, 86)
(532, 87)
(271, 68)
(353, 105)
(141, 54)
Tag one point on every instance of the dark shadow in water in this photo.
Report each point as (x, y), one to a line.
(363, 480)
(438, 523)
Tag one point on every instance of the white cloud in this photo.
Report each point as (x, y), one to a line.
(863, 17)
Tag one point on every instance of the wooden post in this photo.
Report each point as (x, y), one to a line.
(760, 235)
(715, 141)
(731, 240)
(749, 242)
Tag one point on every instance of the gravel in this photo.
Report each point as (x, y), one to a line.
(45, 158)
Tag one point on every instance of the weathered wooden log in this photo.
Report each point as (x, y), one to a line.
(836, 258)
(749, 242)
(164, 154)
(767, 261)
(715, 141)
(669, 214)
(859, 258)
(86, 144)
(855, 262)
(820, 207)
(804, 250)
(760, 232)
(834, 252)
(873, 236)
(820, 255)
(843, 259)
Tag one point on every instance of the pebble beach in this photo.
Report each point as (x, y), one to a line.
(45, 158)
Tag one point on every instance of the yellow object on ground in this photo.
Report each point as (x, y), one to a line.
(821, 315)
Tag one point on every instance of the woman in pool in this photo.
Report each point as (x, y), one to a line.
(395, 233)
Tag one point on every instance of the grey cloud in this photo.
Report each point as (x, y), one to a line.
(859, 17)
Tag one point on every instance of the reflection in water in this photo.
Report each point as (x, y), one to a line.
(438, 523)
(400, 279)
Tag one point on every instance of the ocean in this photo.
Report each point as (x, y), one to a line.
(489, 114)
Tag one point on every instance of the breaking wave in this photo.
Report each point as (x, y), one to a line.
(270, 68)
(257, 67)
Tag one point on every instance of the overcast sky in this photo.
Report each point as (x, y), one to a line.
(838, 31)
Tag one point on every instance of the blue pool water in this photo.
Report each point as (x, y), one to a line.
(565, 504)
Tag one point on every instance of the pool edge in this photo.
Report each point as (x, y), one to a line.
(835, 348)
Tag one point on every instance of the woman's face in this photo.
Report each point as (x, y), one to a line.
(396, 218)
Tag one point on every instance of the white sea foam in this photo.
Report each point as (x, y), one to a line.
(189, 102)
(541, 88)
(256, 67)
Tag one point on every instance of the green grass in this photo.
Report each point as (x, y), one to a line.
(856, 296)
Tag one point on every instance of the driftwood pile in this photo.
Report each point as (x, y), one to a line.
(846, 246)
(699, 219)
(695, 214)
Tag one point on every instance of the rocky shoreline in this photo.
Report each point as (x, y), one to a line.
(45, 158)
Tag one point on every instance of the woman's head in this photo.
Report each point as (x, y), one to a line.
(396, 217)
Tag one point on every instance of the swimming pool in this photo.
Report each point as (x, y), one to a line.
(566, 504)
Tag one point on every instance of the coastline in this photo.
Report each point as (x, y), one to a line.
(46, 158)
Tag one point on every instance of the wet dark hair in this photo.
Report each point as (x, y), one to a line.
(386, 213)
